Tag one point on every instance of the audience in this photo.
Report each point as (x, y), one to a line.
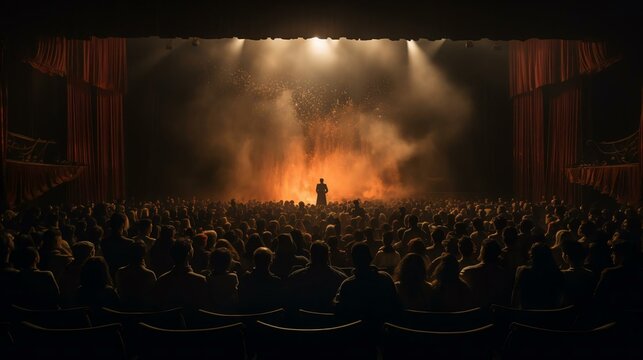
(314, 287)
(259, 289)
(540, 284)
(413, 290)
(70, 279)
(483, 252)
(369, 294)
(489, 282)
(135, 282)
(181, 287)
(223, 285)
(450, 292)
(96, 290)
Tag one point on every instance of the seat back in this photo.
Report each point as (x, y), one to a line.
(443, 321)
(55, 319)
(398, 342)
(168, 319)
(100, 342)
(555, 319)
(306, 319)
(340, 342)
(528, 342)
(226, 342)
(208, 319)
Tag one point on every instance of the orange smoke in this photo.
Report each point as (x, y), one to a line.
(356, 154)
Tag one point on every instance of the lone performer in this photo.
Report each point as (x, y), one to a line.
(321, 189)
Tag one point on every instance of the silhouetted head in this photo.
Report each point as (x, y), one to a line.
(321, 180)
(181, 252)
(448, 269)
(82, 251)
(136, 252)
(490, 251)
(411, 270)
(262, 258)
(361, 255)
(95, 273)
(220, 261)
(319, 253)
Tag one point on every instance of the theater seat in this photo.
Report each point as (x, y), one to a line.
(314, 320)
(100, 342)
(225, 342)
(403, 343)
(528, 342)
(443, 321)
(55, 319)
(208, 319)
(340, 342)
(168, 319)
(556, 319)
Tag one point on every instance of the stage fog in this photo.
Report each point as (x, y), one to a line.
(267, 119)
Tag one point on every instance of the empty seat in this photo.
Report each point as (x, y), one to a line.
(55, 319)
(528, 342)
(398, 342)
(340, 342)
(225, 342)
(100, 342)
(443, 321)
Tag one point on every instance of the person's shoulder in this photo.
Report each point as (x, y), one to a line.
(196, 277)
(298, 274)
(472, 268)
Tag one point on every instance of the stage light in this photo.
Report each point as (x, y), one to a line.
(468, 44)
(319, 46)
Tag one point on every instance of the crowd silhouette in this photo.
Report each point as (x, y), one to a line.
(369, 261)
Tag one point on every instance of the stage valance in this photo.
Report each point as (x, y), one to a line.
(27, 181)
(621, 182)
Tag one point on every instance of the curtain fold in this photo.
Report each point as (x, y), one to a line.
(107, 63)
(80, 140)
(94, 117)
(27, 181)
(110, 144)
(621, 182)
(4, 122)
(51, 56)
(564, 138)
(528, 146)
(595, 56)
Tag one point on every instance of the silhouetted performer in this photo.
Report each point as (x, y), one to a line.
(322, 189)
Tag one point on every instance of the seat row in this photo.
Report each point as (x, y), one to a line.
(177, 333)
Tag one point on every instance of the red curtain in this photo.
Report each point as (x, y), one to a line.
(51, 56)
(622, 182)
(80, 140)
(107, 64)
(595, 56)
(528, 147)
(564, 137)
(27, 181)
(3, 128)
(109, 144)
(94, 138)
(535, 63)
